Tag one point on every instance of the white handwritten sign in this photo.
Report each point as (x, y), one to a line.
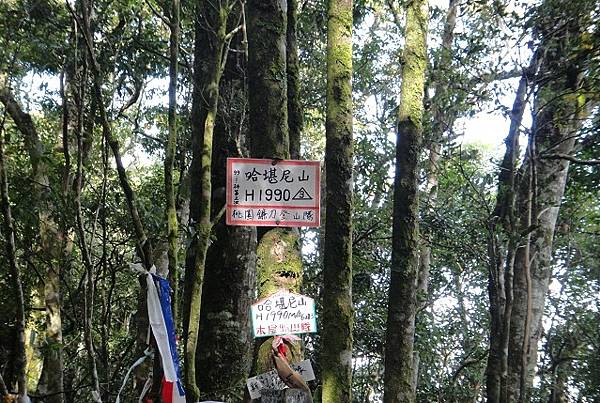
(273, 192)
(283, 313)
(270, 380)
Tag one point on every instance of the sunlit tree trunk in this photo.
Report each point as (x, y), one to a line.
(400, 331)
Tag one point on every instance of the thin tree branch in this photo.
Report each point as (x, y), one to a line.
(157, 14)
(574, 160)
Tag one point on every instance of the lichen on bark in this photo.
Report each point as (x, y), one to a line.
(279, 264)
(399, 345)
(338, 314)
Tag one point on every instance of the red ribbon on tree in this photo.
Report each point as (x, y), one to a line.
(279, 343)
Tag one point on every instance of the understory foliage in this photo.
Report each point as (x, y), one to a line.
(471, 80)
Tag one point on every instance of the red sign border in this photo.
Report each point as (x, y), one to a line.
(272, 223)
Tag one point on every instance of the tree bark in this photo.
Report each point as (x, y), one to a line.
(279, 264)
(225, 340)
(51, 244)
(338, 313)
(502, 237)
(294, 106)
(171, 208)
(20, 319)
(400, 331)
(212, 25)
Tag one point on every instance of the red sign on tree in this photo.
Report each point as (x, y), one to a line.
(273, 192)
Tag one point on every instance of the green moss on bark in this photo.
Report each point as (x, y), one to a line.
(279, 264)
(338, 314)
(399, 365)
(267, 83)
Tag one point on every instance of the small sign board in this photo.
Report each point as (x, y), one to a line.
(270, 380)
(283, 313)
(272, 193)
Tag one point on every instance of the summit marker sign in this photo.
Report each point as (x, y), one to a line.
(273, 193)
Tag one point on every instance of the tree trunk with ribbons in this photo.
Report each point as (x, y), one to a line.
(278, 264)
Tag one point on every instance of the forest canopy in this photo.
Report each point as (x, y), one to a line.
(457, 254)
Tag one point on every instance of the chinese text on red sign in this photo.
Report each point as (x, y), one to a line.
(273, 192)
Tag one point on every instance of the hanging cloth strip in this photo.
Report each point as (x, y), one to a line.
(161, 320)
(164, 291)
(160, 317)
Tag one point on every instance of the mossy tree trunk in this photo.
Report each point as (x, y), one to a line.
(212, 46)
(267, 78)
(171, 208)
(295, 118)
(278, 264)
(225, 339)
(337, 323)
(400, 332)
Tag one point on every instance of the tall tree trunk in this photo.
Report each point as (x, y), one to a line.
(171, 208)
(225, 339)
(269, 138)
(9, 238)
(400, 331)
(560, 108)
(51, 245)
(502, 228)
(338, 313)
(267, 78)
(557, 119)
(211, 25)
(294, 106)
(89, 286)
